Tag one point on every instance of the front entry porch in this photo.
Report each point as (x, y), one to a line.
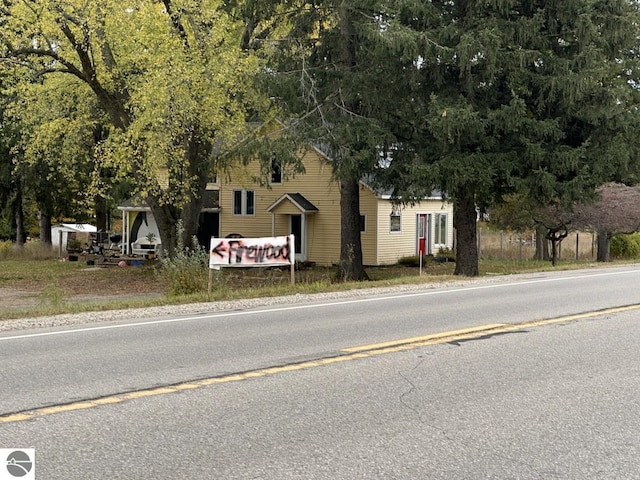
(293, 210)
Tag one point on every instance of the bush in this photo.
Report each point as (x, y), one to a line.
(625, 246)
(187, 271)
(445, 255)
(410, 261)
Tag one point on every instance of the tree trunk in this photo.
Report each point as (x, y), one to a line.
(102, 218)
(554, 252)
(18, 215)
(190, 217)
(198, 167)
(464, 214)
(45, 227)
(542, 246)
(351, 267)
(604, 246)
(556, 235)
(166, 217)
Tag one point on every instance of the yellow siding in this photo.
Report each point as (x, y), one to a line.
(394, 245)
(323, 227)
(379, 245)
(286, 208)
(369, 208)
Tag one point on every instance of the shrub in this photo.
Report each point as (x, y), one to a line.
(74, 245)
(625, 246)
(445, 255)
(410, 261)
(187, 271)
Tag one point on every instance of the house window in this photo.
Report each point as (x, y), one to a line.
(363, 224)
(276, 171)
(394, 220)
(243, 202)
(440, 229)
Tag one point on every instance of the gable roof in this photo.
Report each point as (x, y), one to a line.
(298, 200)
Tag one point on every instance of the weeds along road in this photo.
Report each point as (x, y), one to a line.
(330, 389)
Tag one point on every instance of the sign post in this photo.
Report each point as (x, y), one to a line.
(292, 258)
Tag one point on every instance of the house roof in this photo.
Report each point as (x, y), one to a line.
(298, 200)
(388, 193)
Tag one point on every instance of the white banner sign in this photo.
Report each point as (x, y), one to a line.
(251, 252)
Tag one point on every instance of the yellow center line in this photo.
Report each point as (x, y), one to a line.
(348, 354)
(425, 338)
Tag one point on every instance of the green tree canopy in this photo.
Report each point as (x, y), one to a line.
(536, 97)
(170, 75)
(328, 76)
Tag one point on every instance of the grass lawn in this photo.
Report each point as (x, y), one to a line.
(63, 286)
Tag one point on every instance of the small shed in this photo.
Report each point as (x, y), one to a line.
(63, 232)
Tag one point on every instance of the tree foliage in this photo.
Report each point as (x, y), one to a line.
(616, 210)
(170, 75)
(55, 153)
(477, 99)
(328, 76)
(535, 97)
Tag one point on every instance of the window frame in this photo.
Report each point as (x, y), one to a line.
(440, 230)
(243, 202)
(395, 214)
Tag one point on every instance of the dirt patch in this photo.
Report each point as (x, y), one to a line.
(15, 299)
(86, 285)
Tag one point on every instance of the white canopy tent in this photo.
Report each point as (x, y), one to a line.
(61, 233)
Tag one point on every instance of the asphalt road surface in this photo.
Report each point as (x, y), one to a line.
(527, 377)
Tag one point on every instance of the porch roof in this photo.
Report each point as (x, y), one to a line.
(296, 199)
(210, 203)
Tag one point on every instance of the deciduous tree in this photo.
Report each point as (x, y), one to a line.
(616, 210)
(170, 75)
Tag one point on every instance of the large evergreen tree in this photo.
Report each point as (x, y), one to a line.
(328, 75)
(513, 95)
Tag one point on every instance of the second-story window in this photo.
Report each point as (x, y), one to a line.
(276, 171)
(244, 202)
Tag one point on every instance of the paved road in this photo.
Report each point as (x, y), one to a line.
(557, 401)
